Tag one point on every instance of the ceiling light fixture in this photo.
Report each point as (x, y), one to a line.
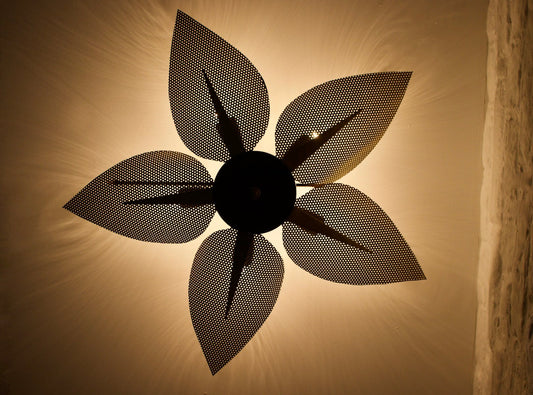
(334, 231)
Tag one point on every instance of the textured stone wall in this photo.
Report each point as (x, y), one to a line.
(504, 344)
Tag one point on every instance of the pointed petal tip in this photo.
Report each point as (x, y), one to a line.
(68, 205)
(404, 75)
(214, 369)
(416, 275)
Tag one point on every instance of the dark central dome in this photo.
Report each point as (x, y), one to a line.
(254, 192)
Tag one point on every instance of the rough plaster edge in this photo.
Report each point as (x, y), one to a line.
(489, 212)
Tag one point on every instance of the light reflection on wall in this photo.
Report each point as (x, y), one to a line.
(96, 312)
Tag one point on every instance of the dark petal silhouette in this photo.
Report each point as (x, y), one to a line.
(314, 223)
(373, 97)
(306, 145)
(354, 215)
(227, 127)
(239, 89)
(152, 175)
(187, 197)
(242, 256)
(256, 293)
(176, 183)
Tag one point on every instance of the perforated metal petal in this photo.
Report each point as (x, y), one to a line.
(237, 82)
(377, 95)
(257, 291)
(102, 202)
(354, 214)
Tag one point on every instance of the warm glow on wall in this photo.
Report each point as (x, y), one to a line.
(90, 311)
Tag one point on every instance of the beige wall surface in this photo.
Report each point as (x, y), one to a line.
(84, 86)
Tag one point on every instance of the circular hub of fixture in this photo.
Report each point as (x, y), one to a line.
(254, 192)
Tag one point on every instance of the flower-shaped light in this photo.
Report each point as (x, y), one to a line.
(220, 108)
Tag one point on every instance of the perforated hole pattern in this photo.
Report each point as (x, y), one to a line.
(244, 96)
(355, 215)
(377, 95)
(101, 202)
(238, 84)
(221, 339)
